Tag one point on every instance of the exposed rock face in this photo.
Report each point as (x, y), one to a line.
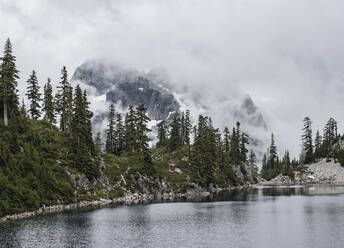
(158, 101)
(128, 87)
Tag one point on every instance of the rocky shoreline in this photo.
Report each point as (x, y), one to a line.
(128, 199)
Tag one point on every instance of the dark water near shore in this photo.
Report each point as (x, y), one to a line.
(311, 216)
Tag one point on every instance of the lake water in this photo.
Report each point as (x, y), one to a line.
(311, 216)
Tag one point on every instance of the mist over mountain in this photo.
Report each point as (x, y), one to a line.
(110, 82)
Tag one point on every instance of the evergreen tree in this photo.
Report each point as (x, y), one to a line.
(34, 96)
(110, 132)
(81, 132)
(8, 83)
(273, 157)
(317, 144)
(23, 108)
(252, 162)
(175, 134)
(307, 140)
(64, 100)
(119, 135)
(48, 103)
(130, 130)
(226, 139)
(187, 127)
(142, 139)
(243, 149)
(162, 133)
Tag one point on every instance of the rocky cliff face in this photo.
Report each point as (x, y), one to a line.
(128, 87)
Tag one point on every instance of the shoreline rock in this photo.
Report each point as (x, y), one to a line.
(133, 198)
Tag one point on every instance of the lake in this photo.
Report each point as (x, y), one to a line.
(311, 216)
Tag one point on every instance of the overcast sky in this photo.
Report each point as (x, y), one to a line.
(287, 54)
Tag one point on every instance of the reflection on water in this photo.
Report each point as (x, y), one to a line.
(311, 216)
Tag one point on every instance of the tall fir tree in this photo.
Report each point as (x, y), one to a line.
(175, 139)
(142, 139)
(23, 108)
(187, 127)
(34, 96)
(119, 135)
(162, 133)
(110, 132)
(48, 103)
(8, 83)
(226, 139)
(81, 132)
(252, 162)
(130, 130)
(307, 140)
(64, 100)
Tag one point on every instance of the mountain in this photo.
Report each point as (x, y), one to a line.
(124, 86)
(128, 87)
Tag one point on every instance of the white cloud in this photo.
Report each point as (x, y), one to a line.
(288, 55)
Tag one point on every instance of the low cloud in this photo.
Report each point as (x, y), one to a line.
(288, 55)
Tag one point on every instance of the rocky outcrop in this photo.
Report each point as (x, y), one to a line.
(325, 171)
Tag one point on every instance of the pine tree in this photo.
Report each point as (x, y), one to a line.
(142, 139)
(252, 161)
(187, 127)
(8, 83)
(307, 140)
(175, 139)
(119, 135)
(130, 130)
(110, 132)
(81, 133)
(48, 103)
(23, 108)
(162, 133)
(226, 139)
(273, 157)
(64, 100)
(243, 149)
(34, 96)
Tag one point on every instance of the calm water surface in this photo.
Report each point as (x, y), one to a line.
(310, 216)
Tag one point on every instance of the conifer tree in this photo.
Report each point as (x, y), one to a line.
(175, 134)
(34, 96)
(23, 108)
(119, 135)
(243, 149)
(48, 103)
(64, 100)
(130, 130)
(81, 132)
(110, 132)
(226, 139)
(252, 162)
(307, 140)
(8, 83)
(142, 139)
(187, 127)
(273, 157)
(162, 133)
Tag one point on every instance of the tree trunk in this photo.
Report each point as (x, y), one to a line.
(5, 114)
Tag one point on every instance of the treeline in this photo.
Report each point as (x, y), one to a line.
(70, 106)
(327, 146)
(211, 154)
